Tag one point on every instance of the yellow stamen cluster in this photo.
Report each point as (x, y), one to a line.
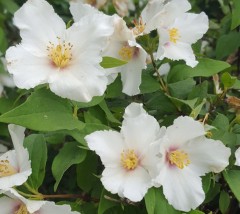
(60, 54)
(174, 35)
(178, 158)
(22, 210)
(126, 52)
(129, 159)
(139, 26)
(6, 169)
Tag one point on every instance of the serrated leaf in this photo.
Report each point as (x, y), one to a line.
(110, 62)
(43, 111)
(70, 154)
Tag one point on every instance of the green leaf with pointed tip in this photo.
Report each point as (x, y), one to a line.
(227, 80)
(224, 202)
(110, 62)
(232, 178)
(43, 111)
(70, 154)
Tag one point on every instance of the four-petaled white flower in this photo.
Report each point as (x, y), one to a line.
(186, 155)
(67, 59)
(17, 204)
(15, 166)
(176, 38)
(129, 157)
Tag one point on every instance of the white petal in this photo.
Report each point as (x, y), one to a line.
(8, 205)
(51, 207)
(131, 74)
(108, 145)
(237, 155)
(184, 129)
(177, 51)
(191, 26)
(164, 69)
(182, 188)
(38, 24)
(139, 128)
(207, 155)
(28, 70)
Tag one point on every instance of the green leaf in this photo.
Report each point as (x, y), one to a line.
(196, 212)
(221, 122)
(70, 154)
(149, 84)
(156, 203)
(205, 68)
(104, 203)
(195, 112)
(224, 202)
(227, 80)
(10, 6)
(233, 42)
(37, 149)
(232, 178)
(95, 101)
(181, 89)
(3, 41)
(43, 111)
(180, 102)
(108, 113)
(235, 14)
(110, 62)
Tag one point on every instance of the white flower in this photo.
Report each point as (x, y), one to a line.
(186, 155)
(163, 69)
(15, 166)
(94, 3)
(122, 45)
(176, 39)
(129, 157)
(15, 203)
(67, 59)
(159, 13)
(123, 6)
(237, 155)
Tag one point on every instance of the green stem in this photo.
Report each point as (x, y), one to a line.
(31, 189)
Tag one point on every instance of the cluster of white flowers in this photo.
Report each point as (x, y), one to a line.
(68, 59)
(15, 168)
(144, 155)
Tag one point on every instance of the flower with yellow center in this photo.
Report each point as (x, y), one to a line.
(65, 58)
(15, 166)
(14, 203)
(174, 35)
(126, 52)
(130, 157)
(186, 155)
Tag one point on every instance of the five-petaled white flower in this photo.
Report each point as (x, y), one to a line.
(67, 59)
(176, 38)
(15, 166)
(17, 204)
(186, 155)
(129, 157)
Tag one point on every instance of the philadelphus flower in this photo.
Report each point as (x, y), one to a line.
(15, 166)
(129, 157)
(15, 203)
(122, 45)
(176, 39)
(123, 6)
(186, 155)
(159, 13)
(67, 59)
(94, 3)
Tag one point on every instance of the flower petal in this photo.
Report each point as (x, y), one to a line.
(207, 155)
(237, 155)
(8, 205)
(51, 207)
(28, 70)
(183, 130)
(38, 24)
(182, 188)
(108, 145)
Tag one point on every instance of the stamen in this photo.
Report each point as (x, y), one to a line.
(178, 158)
(174, 35)
(60, 54)
(22, 210)
(6, 169)
(126, 52)
(129, 159)
(139, 26)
